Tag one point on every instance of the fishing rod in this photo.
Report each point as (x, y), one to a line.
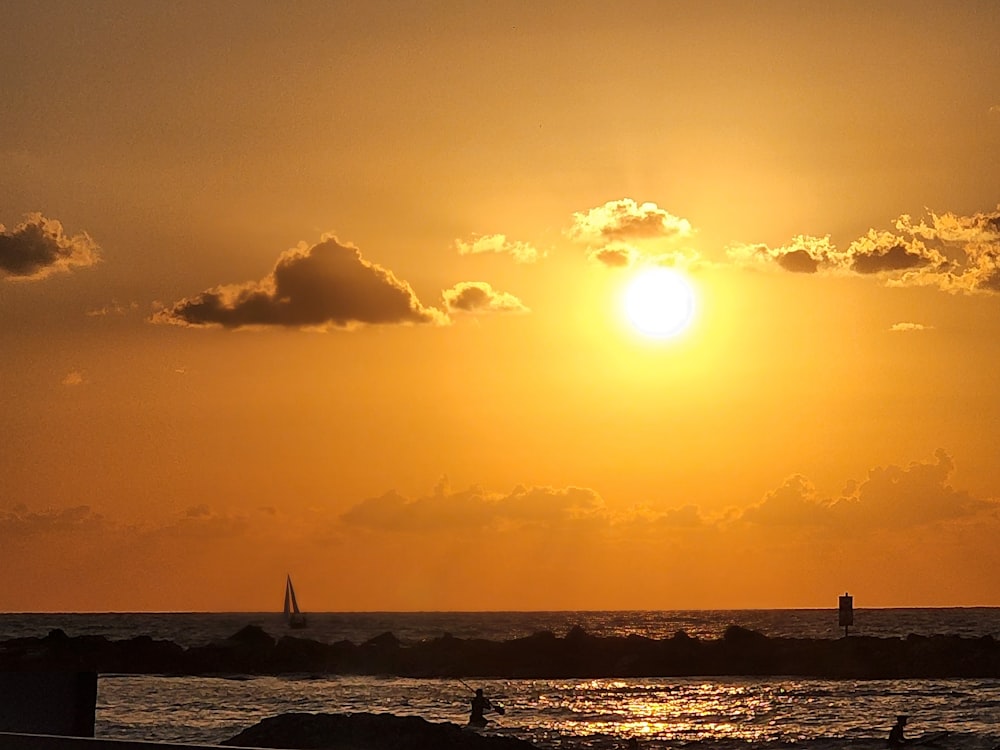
(496, 706)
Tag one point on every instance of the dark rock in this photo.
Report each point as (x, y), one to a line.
(252, 636)
(383, 641)
(366, 731)
(576, 633)
(141, 654)
(738, 635)
(542, 655)
(302, 655)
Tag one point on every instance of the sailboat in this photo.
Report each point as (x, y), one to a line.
(293, 617)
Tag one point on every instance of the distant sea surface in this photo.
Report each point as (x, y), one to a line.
(722, 713)
(200, 628)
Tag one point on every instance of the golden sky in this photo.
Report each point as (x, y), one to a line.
(336, 289)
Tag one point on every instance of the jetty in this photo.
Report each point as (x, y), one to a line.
(543, 655)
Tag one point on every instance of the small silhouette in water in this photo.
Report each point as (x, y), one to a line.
(896, 738)
(633, 744)
(480, 705)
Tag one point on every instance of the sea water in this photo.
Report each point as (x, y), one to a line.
(733, 712)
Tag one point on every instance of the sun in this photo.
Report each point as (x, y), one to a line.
(659, 302)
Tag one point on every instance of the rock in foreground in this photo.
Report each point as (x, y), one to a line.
(366, 731)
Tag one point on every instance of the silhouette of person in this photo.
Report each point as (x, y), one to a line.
(896, 738)
(480, 705)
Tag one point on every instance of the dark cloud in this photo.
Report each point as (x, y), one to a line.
(477, 509)
(875, 253)
(322, 286)
(884, 252)
(987, 280)
(804, 254)
(895, 258)
(958, 254)
(798, 261)
(972, 244)
(38, 247)
(480, 297)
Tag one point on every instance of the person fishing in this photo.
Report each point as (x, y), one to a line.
(480, 705)
(896, 738)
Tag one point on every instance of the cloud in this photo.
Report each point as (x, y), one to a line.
(38, 247)
(327, 285)
(794, 503)
(73, 378)
(625, 219)
(972, 245)
(874, 253)
(522, 252)
(954, 253)
(622, 233)
(885, 252)
(804, 254)
(480, 297)
(798, 261)
(19, 522)
(889, 497)
(198, 522)
(202, 522)
(113, 308)
(478, 509)
(910, 327)
(686, 517)
(615, 255)
(682, 259)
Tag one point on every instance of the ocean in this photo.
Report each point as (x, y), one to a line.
(665, 713)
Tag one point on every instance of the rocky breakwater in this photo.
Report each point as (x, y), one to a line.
(366, 731)
(542, 655)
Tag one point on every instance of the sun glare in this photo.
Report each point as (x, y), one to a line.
(659, 302)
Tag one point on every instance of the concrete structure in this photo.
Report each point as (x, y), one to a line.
(62, 703)
(11, 741)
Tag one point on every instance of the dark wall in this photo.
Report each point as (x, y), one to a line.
(61, 703)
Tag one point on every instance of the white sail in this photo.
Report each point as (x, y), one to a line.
(293, 616)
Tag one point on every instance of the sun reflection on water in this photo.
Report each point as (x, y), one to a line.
(680, 711)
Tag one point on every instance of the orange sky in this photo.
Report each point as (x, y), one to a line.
(335, 289)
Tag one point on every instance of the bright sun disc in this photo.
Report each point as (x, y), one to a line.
(660, 303)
